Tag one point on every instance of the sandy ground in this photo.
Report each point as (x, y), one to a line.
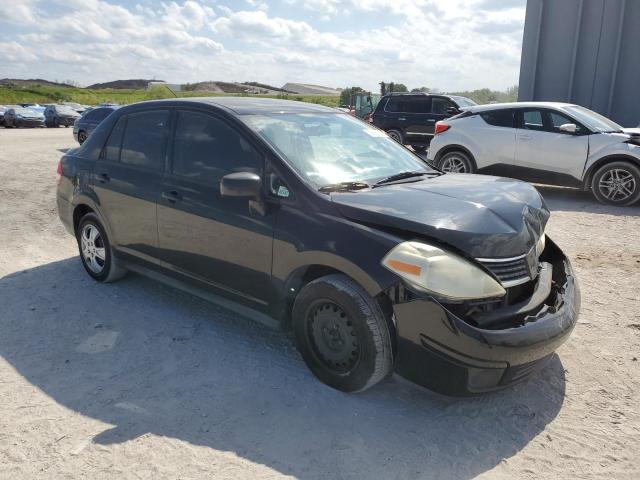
(138, 380)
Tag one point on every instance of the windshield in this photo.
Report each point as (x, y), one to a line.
(65, 109)
(463, 101)
(328, 148)
(593, 120)
(25, 111)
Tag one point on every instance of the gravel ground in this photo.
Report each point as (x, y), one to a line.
(138, 380)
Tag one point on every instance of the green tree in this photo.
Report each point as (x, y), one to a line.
(345, 94)
(421, 89)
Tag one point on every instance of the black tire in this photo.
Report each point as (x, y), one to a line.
(396, 135)
(56, 123)
(111, 270)
(617, 183)
(419, 148)
(82, 137)
(342, 334)
(456, 161)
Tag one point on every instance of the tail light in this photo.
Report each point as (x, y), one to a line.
(441, 127)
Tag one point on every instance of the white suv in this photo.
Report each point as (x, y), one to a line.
(542, 142)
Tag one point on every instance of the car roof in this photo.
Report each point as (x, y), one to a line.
(500, 106)
(248, 105)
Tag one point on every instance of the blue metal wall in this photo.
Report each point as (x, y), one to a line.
(585, 52)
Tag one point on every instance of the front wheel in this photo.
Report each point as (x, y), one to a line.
(96, 252)
(617, 183)
(342, 334)
(455, 162)
(82, 137)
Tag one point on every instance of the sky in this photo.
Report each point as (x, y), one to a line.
(451, 45)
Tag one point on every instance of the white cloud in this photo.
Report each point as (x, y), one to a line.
(451, 45)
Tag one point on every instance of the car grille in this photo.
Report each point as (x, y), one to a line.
(510, 271)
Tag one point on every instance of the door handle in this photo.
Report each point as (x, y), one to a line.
(431, 121)
(402, 119)
(171, 196)
(525, 137)
(104, 177)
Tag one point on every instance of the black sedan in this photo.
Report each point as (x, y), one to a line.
(84, 125)
(306, 218)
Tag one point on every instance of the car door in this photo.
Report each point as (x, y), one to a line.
(225, 242)
(546, 154)
(439, 110)
(127, 180)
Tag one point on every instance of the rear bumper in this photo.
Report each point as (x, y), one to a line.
(29, 123)
(65, 212)
(66, 121)
(444, 353)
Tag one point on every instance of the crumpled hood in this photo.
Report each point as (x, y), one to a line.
(481, 215)
(632, 131)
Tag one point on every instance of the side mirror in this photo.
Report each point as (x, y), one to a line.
(452, 111)
(241, 184)
(569, 128)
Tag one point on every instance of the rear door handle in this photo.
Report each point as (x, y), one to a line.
(104, 177)
(525, 137)
(171, 196)
(402, 119)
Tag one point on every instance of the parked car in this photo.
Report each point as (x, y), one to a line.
(84, 125)
(410, 118)
(313, 220)
(75, 106)
(56, 115)
(23, 117)
(2, 110)
(540, 142)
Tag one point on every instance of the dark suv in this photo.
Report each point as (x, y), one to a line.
(307, 218)
(410, 118)
(56, 115)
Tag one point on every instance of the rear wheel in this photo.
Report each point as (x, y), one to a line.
(82, 137)
(342, 334)
(617, 183)
(455, 162)
(95, 250)
(419, 149)
(396, 135)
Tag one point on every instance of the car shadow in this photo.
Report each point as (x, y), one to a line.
(574, 200)
(147, 358)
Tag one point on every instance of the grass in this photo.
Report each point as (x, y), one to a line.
(40, 94)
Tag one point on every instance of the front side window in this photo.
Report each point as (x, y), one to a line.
(144, 139)
(439, 106)
(556, 120)
(206, 148)
(593, 120)
(328, 148)
(498, 118)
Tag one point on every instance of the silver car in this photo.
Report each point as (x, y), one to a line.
(543, 142)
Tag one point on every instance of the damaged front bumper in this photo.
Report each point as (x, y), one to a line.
(456, 354)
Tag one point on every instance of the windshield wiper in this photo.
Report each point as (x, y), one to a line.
(402, 176)
(343, 187)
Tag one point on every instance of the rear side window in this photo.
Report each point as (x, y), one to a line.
(205, 148)
(532, 120)
(144, 139)
(97, 115)
(112, 147)
(499, 118)
(408, 104)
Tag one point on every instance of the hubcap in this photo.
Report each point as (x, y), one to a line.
(82, 137)
(617, 185)
(92, 247)
(454, 165)
(334, 337)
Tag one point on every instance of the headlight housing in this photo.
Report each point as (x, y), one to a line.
(441, 273)
(541, 244)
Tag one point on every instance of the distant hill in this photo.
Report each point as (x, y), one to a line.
(132, 84)
(19, 82)
(233, 87)
(308, 89)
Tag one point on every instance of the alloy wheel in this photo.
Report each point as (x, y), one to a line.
(454, 164)
(92, 246)
(617, 185)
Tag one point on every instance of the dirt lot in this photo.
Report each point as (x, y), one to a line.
(137, 380)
